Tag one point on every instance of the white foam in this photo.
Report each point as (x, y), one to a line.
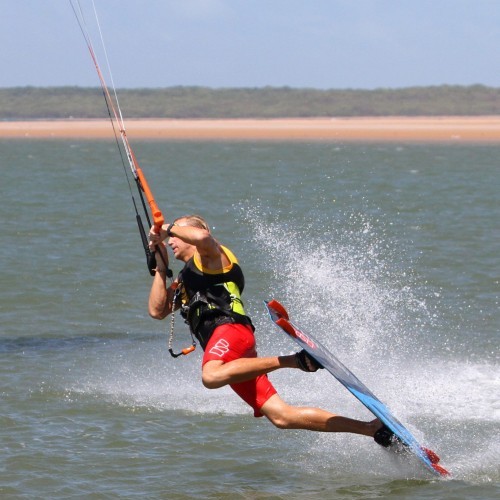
(347, 288)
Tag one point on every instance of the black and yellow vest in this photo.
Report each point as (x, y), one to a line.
(212, 298)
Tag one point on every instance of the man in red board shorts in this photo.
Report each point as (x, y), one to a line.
(208, 292)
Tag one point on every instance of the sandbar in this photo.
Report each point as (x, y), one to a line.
(480, 129)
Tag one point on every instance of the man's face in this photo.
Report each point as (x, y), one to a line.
(182, 251)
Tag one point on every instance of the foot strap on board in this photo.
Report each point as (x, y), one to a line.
(307, 363)
(385, 437)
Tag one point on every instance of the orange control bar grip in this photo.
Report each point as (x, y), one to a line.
(158, 218)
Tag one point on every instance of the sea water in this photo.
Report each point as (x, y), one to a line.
(388, 253)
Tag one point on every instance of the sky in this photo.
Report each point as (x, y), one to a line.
(323, 44)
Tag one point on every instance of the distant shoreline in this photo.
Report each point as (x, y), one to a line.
(478, 129)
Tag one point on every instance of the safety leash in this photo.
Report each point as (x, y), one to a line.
(187, 350)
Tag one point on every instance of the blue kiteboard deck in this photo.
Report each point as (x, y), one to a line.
(322, 355)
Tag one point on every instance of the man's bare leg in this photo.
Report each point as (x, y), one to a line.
(285, 416)
(216, 374)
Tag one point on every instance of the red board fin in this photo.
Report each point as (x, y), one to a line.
(431, 455)
(287, 326)
(278, 308)
(441, 470)
(434, 459)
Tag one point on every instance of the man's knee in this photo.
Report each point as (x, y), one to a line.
(210, 381)
(211, 376)
(280, 422)
(279, 413)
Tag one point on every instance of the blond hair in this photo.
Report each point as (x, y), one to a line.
(194, 221)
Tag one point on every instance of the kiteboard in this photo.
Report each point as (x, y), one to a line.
(404, 439)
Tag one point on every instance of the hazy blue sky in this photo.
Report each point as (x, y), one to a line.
(254, 43)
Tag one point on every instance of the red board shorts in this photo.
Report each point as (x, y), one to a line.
(234, 341)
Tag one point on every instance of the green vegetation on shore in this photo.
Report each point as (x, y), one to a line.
(27, 103)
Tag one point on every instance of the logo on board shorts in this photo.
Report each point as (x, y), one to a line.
(220, 348)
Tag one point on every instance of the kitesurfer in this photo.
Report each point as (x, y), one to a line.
(208, 292)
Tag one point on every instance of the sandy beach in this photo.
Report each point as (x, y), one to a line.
(404, 129)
